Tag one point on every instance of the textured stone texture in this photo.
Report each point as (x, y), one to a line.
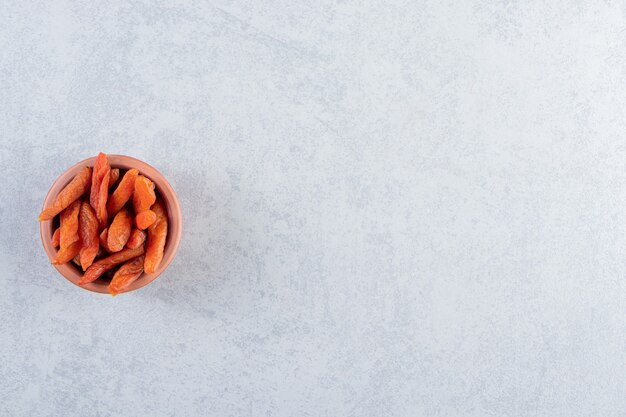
(391, 208)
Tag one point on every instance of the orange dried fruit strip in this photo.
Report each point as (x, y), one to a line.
(145, 219)
(69, 225)
(122, 193)
(104, 234)
(113, 176)
(103, 265)
(96, 179)
(56, 238)
(157, 235)
(100, 188)
(119, 230)
(67, 254)
(88, 231)
(72, 191)
(143, 195)
(136, 239)
(126, 275)
(143, 198)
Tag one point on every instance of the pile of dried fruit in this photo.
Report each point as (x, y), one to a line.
(85, 235)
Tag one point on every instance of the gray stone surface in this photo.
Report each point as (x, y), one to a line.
(391, 208)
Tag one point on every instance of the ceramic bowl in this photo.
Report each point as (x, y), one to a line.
(69, 270)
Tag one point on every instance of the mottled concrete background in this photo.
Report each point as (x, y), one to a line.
(391, 208)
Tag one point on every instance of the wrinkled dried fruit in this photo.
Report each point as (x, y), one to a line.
(113, 176)
(69, 225)
(136, 239)
(143, 195)
(119, 231)
(104, 235)
(100, 188)
(145, 219)
(122, 193)
(88, 231)
(157, 235)
(100, 267)
(56, 238)
(126, 275)
(66, 254)
(68, 195)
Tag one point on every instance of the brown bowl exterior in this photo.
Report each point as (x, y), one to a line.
(69, 270)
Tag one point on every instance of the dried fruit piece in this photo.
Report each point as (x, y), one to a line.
(69, 225)
(143, 195)
(68, 195)
(100, 188)
(145, 219)
(136, 239)
(119, 231)
(122, 193)
(66, 254)
(56, 238)
(88, 231)
(96, 179)
(104, 235)
(157, 235)
(126, 275)
(113, 176)
(100, 267)
(143, 198)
